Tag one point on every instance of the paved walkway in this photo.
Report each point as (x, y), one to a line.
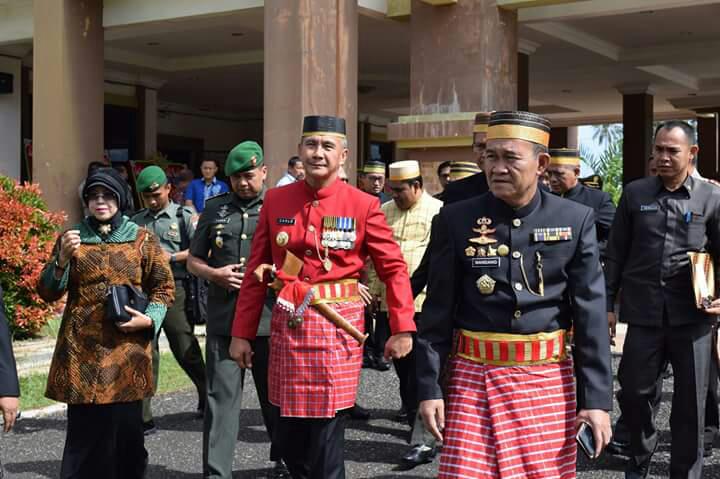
(34, 449)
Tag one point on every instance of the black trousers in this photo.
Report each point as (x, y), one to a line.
(312, 448)
(104, 440)
(687, 348)
(407, 374)
(270, 414)
(378, 327)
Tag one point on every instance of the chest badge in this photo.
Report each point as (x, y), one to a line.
(484, 231)
(282, 239)
(223, 212)
(219, 240)
(485, 284)
(563, 233)
(470, 251)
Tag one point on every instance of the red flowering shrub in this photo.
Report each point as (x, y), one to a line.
(28, 232)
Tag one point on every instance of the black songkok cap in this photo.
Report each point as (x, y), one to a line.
(520, 125)
(323, 125)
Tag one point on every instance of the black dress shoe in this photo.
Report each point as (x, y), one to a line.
(149, 428)
(618, 448)
(381, 364)
(707, 449)
(639, 471)
(368, 362)
(359, 413)
(401, 416)
(279, 471)
(419, 454)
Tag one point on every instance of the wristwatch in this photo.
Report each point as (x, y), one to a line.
(173, 259)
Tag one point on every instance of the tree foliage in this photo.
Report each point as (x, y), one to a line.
(28, 232)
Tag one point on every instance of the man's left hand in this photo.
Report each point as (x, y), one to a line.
(599, 421)
(364, 291)
(398, 346)
(9, 408)
(714, 308)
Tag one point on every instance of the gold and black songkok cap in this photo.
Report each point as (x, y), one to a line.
(565, 156)
(323, 125)
(481, 122)
(519, 125)
(374, 167)
(463, 169)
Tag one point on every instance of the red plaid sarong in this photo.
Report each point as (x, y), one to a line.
(314, 368)
(509, 422)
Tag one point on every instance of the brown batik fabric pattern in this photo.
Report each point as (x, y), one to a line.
(94, 362)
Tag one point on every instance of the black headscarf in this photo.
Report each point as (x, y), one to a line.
(111, 180)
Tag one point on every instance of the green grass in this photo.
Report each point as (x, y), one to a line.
(32, 387)
(51, 329)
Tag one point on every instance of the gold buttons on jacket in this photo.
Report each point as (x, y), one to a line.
(246, 216)
(315, 204)
(518, 286)
(517, 314)
(516, 254)
(516, 222)
(243, 236)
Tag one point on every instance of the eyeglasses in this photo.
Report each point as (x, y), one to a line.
(98, 196)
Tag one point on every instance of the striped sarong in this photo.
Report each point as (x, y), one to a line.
(509, 422)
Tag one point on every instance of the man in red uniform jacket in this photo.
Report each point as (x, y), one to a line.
(315, 366)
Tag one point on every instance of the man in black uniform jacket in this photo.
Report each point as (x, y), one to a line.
(564, 171)
(511, 270)
(659, 220)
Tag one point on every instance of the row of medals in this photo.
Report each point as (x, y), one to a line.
(338, 232)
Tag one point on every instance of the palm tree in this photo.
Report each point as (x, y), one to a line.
(607, 134)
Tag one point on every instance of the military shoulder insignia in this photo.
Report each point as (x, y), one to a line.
(562, 233)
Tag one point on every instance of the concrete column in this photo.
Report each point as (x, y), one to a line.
(637, 130)
(311, 65)
(147, 122)
(11, 119)
(463, 59)
(523, 84)
(708, 135)
(67, 97)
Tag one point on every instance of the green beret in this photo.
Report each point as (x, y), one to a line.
(150, 179)
(245, 156)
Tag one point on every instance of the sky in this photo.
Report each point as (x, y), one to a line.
(586, 140)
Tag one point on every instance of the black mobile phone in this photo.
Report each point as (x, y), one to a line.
(586, 440)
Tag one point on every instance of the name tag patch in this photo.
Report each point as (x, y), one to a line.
(561, 233)
(648, 208)
(286, 221)
(486, 262)
(219, 221)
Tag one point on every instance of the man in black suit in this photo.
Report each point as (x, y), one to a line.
(564, 173)
(9, 386)
(476, 184)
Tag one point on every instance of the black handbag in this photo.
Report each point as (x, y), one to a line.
(119, 296)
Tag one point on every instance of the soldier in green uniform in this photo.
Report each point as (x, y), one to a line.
(218, 253)
(173, 226)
